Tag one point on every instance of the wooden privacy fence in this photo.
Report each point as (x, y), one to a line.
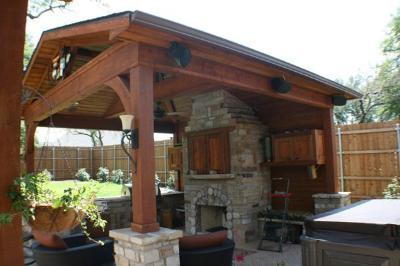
(63, 162)
(368, 157)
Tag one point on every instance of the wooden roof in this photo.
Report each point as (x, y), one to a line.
(90, 38)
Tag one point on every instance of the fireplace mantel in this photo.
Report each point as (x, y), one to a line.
(212, 176)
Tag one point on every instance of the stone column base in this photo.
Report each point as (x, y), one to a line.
(160, 248)
(329, 201)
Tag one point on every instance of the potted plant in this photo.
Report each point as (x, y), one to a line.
(45, 211)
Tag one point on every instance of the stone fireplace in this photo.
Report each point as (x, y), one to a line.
(230, 197)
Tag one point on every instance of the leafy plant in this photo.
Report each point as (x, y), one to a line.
(392, 191)
(32, 190)
(82, 175)
(171, 182)
(103, 174)
(117, 176)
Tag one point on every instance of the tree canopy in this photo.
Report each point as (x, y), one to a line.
(381, 100)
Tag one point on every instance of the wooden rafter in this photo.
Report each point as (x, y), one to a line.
(85, 81)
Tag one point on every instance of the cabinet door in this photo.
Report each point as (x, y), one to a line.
(198, 154)
(282, 149)
(302, 148)
(218, 153)
(174, 158)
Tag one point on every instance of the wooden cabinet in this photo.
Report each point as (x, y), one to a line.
(209, 151)
(300, 148)
(175, 158)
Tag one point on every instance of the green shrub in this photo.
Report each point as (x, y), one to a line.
(117, 177)
(82, 175)
(170, 182)
(392, 191)
(103, 174)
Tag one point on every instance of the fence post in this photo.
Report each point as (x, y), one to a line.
(91, 161)
(113, 157)
(54, 162)
(398, 147)
(77, 158)
(102, 156)
(340, 160)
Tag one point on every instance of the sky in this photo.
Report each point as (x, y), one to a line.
(334, 38)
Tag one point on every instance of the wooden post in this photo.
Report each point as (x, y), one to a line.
(331, 184)
(30, 147)
(12, 35)
(144, 198)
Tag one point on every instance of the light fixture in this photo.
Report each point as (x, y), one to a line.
(180, 53)
(339, 100)
(130, 133)
(279, 84)
(312, 171)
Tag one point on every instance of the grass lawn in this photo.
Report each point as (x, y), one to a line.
(106, 189)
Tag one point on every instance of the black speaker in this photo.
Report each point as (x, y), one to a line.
(280, 85)
(180, 53)
(339, 100)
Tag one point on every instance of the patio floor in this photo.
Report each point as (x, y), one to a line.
(248, 255)
(291, 255)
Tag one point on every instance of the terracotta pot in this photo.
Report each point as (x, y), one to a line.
(53, 220)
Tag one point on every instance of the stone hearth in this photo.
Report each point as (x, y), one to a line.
(243, 192)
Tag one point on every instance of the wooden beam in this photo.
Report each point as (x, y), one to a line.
(87, 28)
(82, 122)
(164, 90)
(229, 76)
(30, 147)
(144, 198)
(84, 82)
(12, 35)
(143, 34)
(121, 88)
(332, 181)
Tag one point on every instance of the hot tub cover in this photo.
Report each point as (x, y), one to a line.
(374, 223)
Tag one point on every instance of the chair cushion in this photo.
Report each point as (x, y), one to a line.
(203, 241)
(49, 240)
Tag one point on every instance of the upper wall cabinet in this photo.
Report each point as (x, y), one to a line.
(300, 148)
(209, 151)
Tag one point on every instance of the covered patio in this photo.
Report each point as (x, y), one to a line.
(239, 118)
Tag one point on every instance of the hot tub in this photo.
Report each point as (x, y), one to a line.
(364, 233)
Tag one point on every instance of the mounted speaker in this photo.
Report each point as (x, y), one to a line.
(280, 85)
(159, 113)
(180, 54)
(339, 100)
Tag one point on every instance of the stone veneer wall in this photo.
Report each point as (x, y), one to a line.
(246, 193)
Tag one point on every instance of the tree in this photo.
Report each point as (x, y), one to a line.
(389, 74)
(36, 8)
(95, 135)
(363, 110)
